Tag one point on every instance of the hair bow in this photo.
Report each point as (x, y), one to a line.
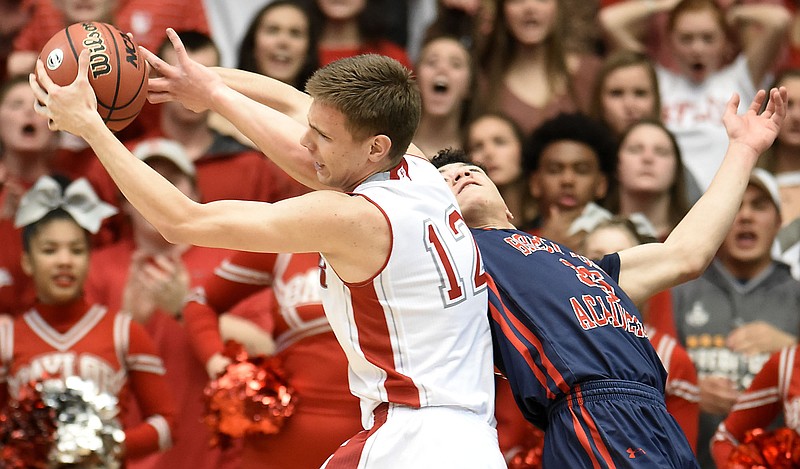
(78, 199)
(591, 216)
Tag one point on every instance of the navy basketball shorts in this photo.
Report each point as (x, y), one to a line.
(614, 424)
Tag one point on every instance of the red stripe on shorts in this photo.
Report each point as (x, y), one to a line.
(348, 455)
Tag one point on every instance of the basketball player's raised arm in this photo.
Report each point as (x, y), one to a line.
(267, 91)
(199, 88)
(687, 251)
(262, 108)
(329, 222)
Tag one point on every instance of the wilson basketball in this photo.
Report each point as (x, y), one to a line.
(117, 72)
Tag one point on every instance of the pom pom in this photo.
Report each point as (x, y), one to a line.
(27, 430)
(251, 397)
(530, 455)
(57, 422)
(88, 433)
(777, 449)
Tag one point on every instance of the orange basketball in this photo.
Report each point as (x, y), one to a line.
(117, 72)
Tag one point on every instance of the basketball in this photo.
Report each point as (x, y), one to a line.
(117, 72)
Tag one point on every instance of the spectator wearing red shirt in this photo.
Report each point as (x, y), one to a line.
(354, 27)
(27, 147)
(146, 19)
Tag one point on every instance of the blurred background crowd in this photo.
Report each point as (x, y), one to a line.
(599, 121)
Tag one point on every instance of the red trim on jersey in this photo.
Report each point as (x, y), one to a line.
(388, 254)
(375, 342)
(425, 158)
(521, 348)
(551, 370)
(348, 455)
(400, 171)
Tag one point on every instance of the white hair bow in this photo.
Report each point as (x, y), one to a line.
(78, 199)
(593, 215)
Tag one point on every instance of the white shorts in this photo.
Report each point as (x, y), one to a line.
(429, 437)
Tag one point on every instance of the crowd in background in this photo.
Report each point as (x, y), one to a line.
(599, 122)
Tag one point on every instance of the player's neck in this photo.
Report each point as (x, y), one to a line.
(492, 223)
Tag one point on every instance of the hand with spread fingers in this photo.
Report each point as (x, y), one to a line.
(72, 108)
(753, 129)
(187, 82)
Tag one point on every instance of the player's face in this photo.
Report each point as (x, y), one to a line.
(341, 10)
(58, 261)
(627, 96)
(282, 42)
(530, 21)
(76, 11)
(493, 144)
(606, 240)
(23, 131)
(476, 194)
(699, 44)
(790, 130)
(568, 176)
(443, 75)
(340, 159)
(749, 240)
(647, 163)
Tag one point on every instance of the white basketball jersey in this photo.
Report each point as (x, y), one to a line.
(416, 334)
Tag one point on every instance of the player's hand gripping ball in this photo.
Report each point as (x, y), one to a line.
(117, 72)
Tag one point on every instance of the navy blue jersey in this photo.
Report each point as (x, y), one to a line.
(558, 320)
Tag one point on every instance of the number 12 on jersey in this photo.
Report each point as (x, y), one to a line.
(453, 288)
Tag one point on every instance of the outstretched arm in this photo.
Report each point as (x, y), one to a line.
(650, 268)
(321, 221)
(199, 88)
(268, 91)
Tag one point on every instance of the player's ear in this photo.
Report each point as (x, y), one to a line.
(379, 147)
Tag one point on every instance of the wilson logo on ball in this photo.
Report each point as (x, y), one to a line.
(99, 61)
(117, 73)
(55, 59)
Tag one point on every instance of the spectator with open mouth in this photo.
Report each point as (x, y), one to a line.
(701, 34)
(445, 78)
(526, 71)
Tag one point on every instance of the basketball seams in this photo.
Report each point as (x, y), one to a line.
(113, 38)
(135, 95)
(71, 45)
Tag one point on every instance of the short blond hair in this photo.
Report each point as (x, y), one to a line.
(376, 94)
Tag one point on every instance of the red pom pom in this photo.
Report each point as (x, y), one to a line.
(27, 431)
(252, 396)
(778, 449)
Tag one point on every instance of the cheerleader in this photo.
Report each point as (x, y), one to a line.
(63, 335)
(326, 414)
(775, 390)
